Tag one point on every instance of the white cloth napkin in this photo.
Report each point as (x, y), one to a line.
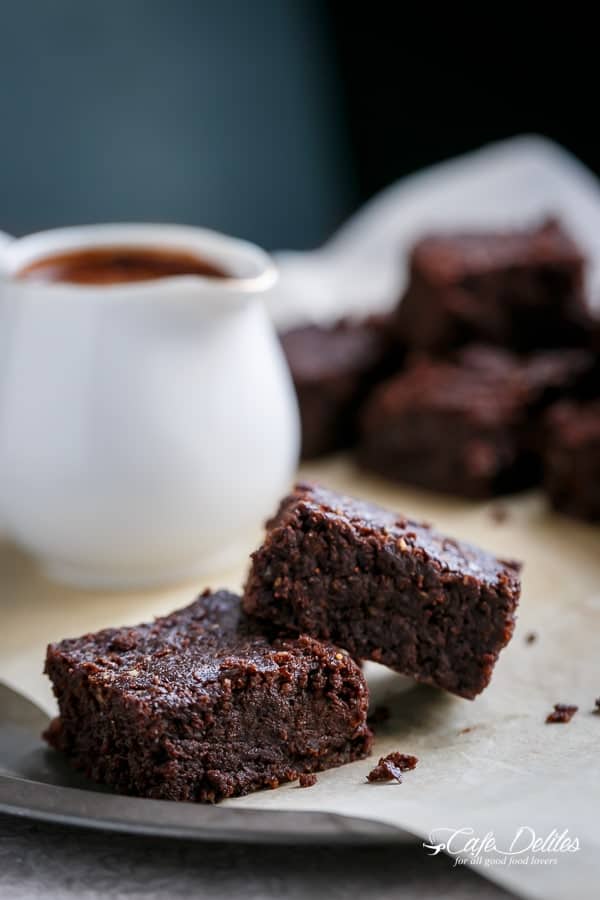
(361, 269)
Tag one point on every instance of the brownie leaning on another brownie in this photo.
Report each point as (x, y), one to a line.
(333, 368)
(200, 705)
(385, 588)
(521, 289)
(467, 425)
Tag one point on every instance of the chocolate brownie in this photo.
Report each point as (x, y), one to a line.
(522, 289)
(201, 706)
(467, 425)
(385, 588)
(572, 459)
(332, 369)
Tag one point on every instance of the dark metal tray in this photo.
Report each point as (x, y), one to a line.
(36, 783)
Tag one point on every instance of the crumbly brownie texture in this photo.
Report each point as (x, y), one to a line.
(521, 289)
(572, 459)
(385, 588)
(562, 714)
(545, 375)
(467, 425)
(201, 706)
(392, 766)
(333, 369)
(307, 780)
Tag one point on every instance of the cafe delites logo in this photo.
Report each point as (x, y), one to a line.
(526, 847)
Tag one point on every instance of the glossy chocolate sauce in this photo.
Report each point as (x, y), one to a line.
(110, 265)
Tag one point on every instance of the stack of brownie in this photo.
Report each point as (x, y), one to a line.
(485, 379)
(228, 696)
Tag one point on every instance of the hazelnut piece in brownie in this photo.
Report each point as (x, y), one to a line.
(467, 425)
(572, 459)
(332, 369)
(384, 588)
(201, 706)
(521, 289)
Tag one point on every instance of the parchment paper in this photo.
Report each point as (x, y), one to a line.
(508, 770)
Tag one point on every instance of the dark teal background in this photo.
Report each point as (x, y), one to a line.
(226, 114)
(271, 119)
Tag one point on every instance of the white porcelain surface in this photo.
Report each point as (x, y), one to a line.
(146, 429)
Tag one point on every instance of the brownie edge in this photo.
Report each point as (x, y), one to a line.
(385, 588)
(520, 288)
(200, 705)
(572, 459)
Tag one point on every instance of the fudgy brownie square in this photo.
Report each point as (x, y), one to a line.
(467, 425)
(333, 369)
(572, 459)
(200, 705)
(522, 289)
(385, 588)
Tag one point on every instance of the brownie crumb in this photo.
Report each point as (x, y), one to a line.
(307, 779)
(391, 767)
(379, 715)
(562, 713)
(531, 637)
(499, 514)
(597, 704)
(466, 730)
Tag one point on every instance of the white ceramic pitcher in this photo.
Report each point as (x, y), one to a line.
(146, 429)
